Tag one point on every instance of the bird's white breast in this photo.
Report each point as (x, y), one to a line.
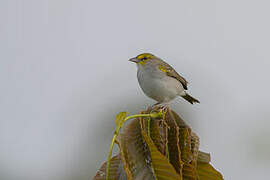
(157, 85)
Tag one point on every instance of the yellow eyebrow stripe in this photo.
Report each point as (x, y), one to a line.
(147, 55)
(141, 56)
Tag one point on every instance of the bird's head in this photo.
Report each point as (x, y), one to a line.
(143, 59)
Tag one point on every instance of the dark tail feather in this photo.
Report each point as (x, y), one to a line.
(190, 99)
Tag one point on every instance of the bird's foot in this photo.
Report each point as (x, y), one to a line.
(159, 107)
(165, 108)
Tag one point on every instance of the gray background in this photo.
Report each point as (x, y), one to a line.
(64, 76)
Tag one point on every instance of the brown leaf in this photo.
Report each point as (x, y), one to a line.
(187, 147)
(207, 172)
(161, 149)
(134, 153)
(116, 171)
(158, 132)
(162, 168)
(204, 157)
(173, 143)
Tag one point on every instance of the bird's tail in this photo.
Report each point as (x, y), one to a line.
(190, 99)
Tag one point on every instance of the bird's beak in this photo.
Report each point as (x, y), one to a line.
(134, 60)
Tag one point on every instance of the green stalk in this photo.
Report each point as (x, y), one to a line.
(167, 151)
(148, 126)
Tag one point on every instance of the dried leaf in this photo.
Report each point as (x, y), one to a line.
(173, 143)
(116, 171)
(158, 132)
(159, 135)
(204, 157)
(134, 153)
(207, 172)
(195, 142)
(162, 168)
(158, 149)
(188, 147)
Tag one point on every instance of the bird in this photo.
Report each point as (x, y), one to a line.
(159, 81)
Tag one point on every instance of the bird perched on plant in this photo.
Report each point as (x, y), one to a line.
(159, 80)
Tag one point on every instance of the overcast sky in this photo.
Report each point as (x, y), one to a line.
(64, 76)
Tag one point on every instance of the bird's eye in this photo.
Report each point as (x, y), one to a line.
(144, 58)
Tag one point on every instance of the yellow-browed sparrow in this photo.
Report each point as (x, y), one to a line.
(159, 80)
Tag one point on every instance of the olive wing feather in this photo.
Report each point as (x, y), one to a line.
(172, 73)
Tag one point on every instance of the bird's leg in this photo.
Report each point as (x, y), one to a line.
(153, 107)
(165, 106)
(156, 105)
(159, 105)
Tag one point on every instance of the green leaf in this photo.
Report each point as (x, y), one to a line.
(119, 119)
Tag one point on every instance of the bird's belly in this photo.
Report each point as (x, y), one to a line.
(161, 89)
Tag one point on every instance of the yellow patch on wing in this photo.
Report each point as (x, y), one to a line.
(162, 68)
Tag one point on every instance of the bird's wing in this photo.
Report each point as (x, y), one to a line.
(172, 73)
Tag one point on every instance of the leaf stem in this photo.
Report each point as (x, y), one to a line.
(148, 126)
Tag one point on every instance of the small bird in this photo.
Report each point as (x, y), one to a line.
(159, 80)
